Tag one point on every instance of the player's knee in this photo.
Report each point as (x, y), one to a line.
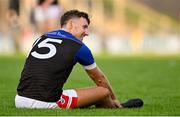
(104, 91)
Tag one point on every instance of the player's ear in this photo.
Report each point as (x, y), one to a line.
(71, 24)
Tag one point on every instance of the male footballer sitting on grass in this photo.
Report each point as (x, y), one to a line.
(50, 62)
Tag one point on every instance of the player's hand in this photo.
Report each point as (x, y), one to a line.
(117, 103)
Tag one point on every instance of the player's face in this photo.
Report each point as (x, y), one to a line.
(80, 28)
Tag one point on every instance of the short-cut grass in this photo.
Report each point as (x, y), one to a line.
(154, 79)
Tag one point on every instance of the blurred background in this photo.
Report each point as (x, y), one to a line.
(118, 27)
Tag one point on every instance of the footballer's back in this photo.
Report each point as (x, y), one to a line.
(47, 67)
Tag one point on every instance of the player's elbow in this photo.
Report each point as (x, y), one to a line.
(102, 81)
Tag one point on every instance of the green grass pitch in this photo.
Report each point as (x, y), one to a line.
(154, 79)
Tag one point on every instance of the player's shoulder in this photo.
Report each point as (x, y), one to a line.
(63, 35)
(84, 48)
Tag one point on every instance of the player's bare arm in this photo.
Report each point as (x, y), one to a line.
(101, 80)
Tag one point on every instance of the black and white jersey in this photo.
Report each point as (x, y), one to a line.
(49, 64)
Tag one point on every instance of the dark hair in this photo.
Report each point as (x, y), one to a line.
(73, 14)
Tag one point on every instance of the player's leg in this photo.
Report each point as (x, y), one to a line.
(99, 96)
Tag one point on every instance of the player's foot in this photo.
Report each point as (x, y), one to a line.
(133, 103)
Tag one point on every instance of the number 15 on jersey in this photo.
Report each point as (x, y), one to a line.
(44, 43)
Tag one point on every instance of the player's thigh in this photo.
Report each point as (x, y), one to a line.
(91, 95)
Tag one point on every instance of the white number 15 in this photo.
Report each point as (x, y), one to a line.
(52, 48)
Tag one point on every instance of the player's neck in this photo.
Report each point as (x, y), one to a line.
(66, 30)
(69, 31)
